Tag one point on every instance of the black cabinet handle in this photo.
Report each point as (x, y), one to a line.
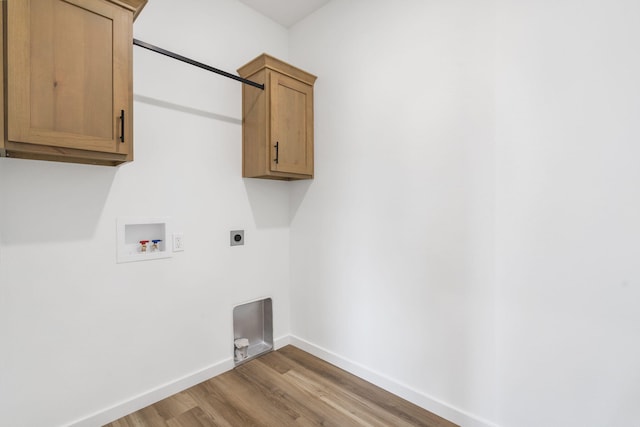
(277, 146)
(122, 126)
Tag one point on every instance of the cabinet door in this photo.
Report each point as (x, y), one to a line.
(69, 74)
(291, 125)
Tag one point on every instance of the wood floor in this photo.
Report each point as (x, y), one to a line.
(287, 387)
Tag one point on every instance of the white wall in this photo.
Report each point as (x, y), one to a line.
(392, 243)
(80, 333)
(568, 104)
(477, 195)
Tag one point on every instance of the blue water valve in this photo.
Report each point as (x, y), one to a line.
(155, 247)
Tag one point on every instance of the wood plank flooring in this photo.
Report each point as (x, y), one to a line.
(288, 387)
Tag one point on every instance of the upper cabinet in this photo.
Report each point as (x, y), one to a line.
(277, 122)
(69, 80)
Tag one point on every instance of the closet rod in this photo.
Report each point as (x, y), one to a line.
(161, 51)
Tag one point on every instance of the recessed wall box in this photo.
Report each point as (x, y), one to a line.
(252, 330)
(132, 232)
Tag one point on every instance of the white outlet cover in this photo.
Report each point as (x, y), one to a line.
(178, 242)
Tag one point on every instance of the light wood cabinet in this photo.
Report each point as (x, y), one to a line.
(69, 80)
(277, 122)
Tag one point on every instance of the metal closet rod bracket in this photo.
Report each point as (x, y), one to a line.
(173, 55)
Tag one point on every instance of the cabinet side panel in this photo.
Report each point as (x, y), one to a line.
(310, 132)
(254, 128)
(123, 81)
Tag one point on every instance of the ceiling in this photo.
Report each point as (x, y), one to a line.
(286, 12)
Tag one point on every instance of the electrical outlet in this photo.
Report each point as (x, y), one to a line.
(178, 242)
(237, 238)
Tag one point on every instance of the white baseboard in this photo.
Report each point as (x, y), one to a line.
(281, 342)
(417, 397)
(152, 396)
(404, 391)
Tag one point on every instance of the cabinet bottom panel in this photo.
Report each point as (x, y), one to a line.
(58, 154)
